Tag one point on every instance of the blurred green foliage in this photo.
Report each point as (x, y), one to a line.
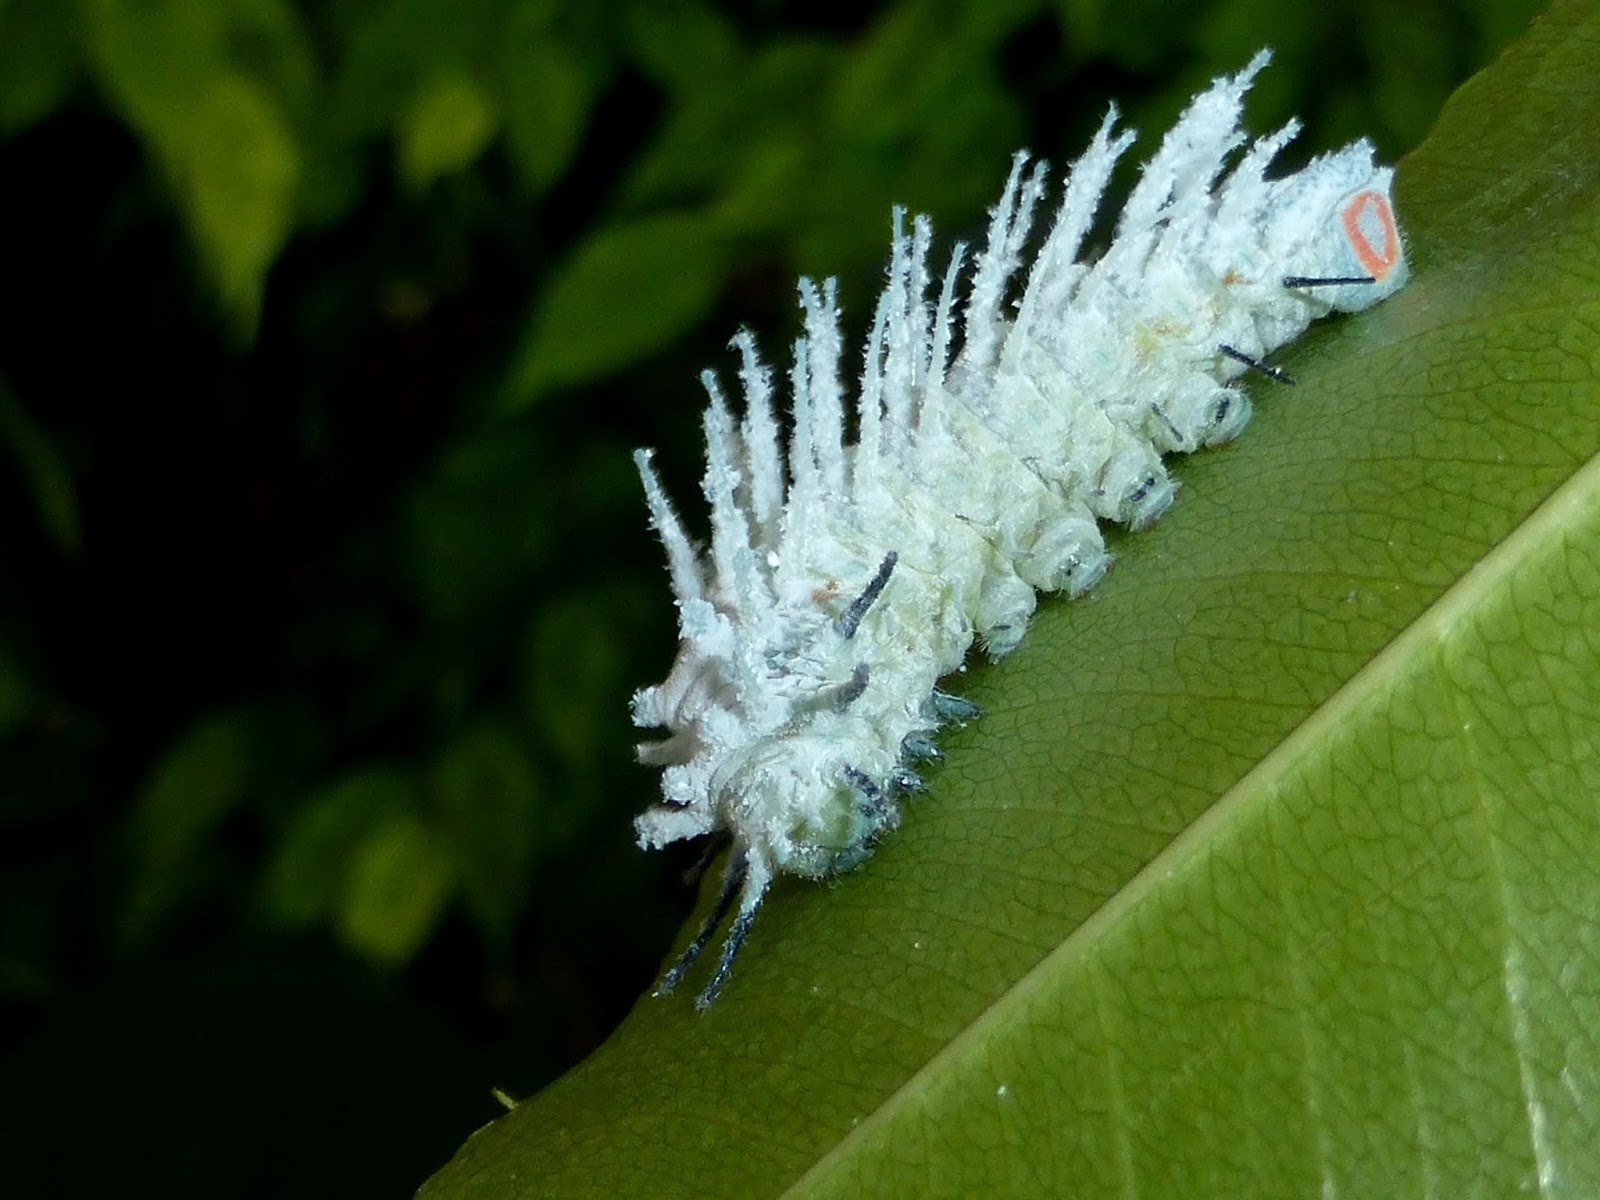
(323, 575)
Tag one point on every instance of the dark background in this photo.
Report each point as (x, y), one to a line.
(324, 577)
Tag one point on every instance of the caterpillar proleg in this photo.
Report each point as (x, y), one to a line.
(844, 579)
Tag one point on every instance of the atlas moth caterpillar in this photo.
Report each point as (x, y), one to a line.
(843, 581)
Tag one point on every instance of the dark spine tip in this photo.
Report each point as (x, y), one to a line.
(850, 620)
(1255, 364)
(1315, 281)
(731, 945)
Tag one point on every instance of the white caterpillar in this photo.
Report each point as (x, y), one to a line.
(844, 580)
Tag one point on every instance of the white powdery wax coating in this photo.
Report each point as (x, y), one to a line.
(842, 581)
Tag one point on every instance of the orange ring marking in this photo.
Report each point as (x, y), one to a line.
(1377, 262)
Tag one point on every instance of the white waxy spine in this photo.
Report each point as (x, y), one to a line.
(844, 580)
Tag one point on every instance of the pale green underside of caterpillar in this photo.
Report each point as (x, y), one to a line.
(843, 580)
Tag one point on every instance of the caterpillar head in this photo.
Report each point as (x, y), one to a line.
(1334, 232)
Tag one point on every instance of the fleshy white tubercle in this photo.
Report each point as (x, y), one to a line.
(842, 581)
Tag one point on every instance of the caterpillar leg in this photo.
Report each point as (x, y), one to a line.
(732, 881)
(731, 945)
(953, 709)
(748, 887)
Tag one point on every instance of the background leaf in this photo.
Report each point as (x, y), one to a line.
(549, 88)
(16, 693)
(400, 881)
(43, 61)
(307, 878)
(48, 477)
(448, 125)
(217, 129)
(632, 288)
(488, 797)
(1272, 868)
(200, 784)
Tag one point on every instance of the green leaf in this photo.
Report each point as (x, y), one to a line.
(573, 672)
(1272, 870)
(684, 45)
(476, 532)
(236, 162)
(548, 93)
(1121, 29)
(488, 796)
(38, 59)
(198, 784)
(916, 114)
(401, 878)
(49, 482)
(447, 125)
(17, 698)
(311, 863)
(707, 144)
(392, 48)
(218, 132)
(629, 290)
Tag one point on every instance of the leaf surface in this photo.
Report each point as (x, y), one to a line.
(1272, 869)
(219, 131)
(631, 288)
